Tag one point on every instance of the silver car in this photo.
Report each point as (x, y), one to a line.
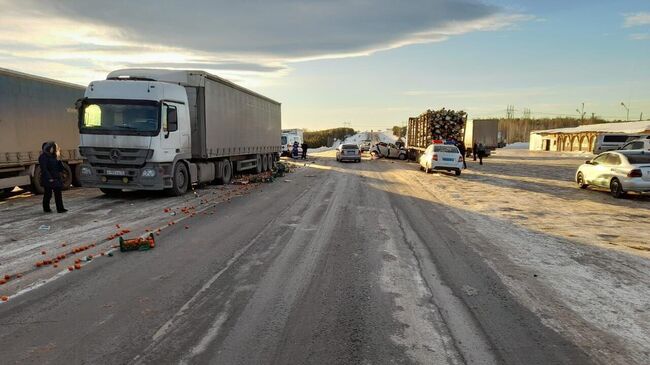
(619, 171)
(348, 152)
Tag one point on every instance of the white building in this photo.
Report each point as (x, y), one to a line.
(583, 138)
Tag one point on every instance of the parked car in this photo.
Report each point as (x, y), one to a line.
(441, 157)
(611, 142)
(348, 152)
(619, 171)
(389, 150)
(365, 145)
(639, 145)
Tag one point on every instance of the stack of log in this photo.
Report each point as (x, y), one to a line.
(443, 124)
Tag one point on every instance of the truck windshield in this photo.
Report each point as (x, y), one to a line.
(131, 117)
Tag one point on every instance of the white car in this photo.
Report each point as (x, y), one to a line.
(442, 157)
(619, 171)
(388, 150)
(348, 152)
(637, 145)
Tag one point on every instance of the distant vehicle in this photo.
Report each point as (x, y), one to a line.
(484, 131)
(289, 136)
(388, 150)
(619, 171)
(639, 145)
(348, 152)
(442, 157)
(365, 145)
(154, 129)
(34, 110)
(611, 142)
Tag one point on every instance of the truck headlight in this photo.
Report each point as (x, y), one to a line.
(86, 171)
(148, 173)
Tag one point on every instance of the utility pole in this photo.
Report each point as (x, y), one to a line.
(641, 117)
(510, 112)
(628, 110)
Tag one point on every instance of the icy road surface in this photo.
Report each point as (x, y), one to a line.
(371, 263)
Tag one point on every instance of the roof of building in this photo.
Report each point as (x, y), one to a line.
(624, 127)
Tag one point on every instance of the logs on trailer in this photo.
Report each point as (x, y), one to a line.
(443, 124)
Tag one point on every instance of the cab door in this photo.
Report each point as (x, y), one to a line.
(170, 135)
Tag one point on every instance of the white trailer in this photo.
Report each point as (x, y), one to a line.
(34, 110)
(151, 129)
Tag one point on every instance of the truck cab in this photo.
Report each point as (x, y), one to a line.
(132, 132)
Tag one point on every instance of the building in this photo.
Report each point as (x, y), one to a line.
(582, 138)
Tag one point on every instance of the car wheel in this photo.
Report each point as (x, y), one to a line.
(402, 156)
(616, 188)
(428, 169)
(457, 172)
(580, 179)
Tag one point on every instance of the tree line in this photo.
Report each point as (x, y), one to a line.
(326, 138)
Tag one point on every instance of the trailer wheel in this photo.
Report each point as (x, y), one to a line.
(265, 163)
(269, 162)
(258, 167)
(180, 180)
(37, 187)
(226, 172)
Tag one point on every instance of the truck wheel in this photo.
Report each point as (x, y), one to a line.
(67, 176)
(180, 180)
(226, 173)
(111, 192)
(258, 167)
(36, 187)
(269, 164)
(76, 175)
(265, 163)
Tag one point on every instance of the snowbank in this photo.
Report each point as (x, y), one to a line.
(517, 146)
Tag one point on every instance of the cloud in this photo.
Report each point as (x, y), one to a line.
(640, 36)
(637, 19)
(234, 38)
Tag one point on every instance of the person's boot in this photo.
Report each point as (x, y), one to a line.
(62, 210)
(47, 210)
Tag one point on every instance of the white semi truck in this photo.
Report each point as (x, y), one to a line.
(152, 129)
(34, 110)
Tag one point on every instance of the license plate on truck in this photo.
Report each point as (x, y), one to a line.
(115, 172)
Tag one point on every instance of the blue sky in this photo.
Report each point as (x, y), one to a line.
(370, 63)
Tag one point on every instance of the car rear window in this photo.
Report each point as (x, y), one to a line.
(446, 149)
(615, 139)
(638, 159)
(350, 146)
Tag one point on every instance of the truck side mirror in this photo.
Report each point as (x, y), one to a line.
(172, 119)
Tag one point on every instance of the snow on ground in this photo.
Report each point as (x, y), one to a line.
(580, 259)
(517, 146)
(27, 235)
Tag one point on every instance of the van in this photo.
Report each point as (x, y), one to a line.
(610, 142)
(287, 140)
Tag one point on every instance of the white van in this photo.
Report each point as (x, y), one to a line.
(287, 141)
(610, 142)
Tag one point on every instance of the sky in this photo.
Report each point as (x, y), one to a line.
(360, 63)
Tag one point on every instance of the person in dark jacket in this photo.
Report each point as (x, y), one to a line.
(294, 150)
(304, 150)
(481, 153)
(475, 150)
(51, 176)
(463, 150)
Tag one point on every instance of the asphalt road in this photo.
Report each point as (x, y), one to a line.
(340, 264)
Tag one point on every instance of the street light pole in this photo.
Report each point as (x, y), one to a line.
(628, 110)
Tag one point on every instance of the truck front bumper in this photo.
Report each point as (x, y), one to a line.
(152, 176)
